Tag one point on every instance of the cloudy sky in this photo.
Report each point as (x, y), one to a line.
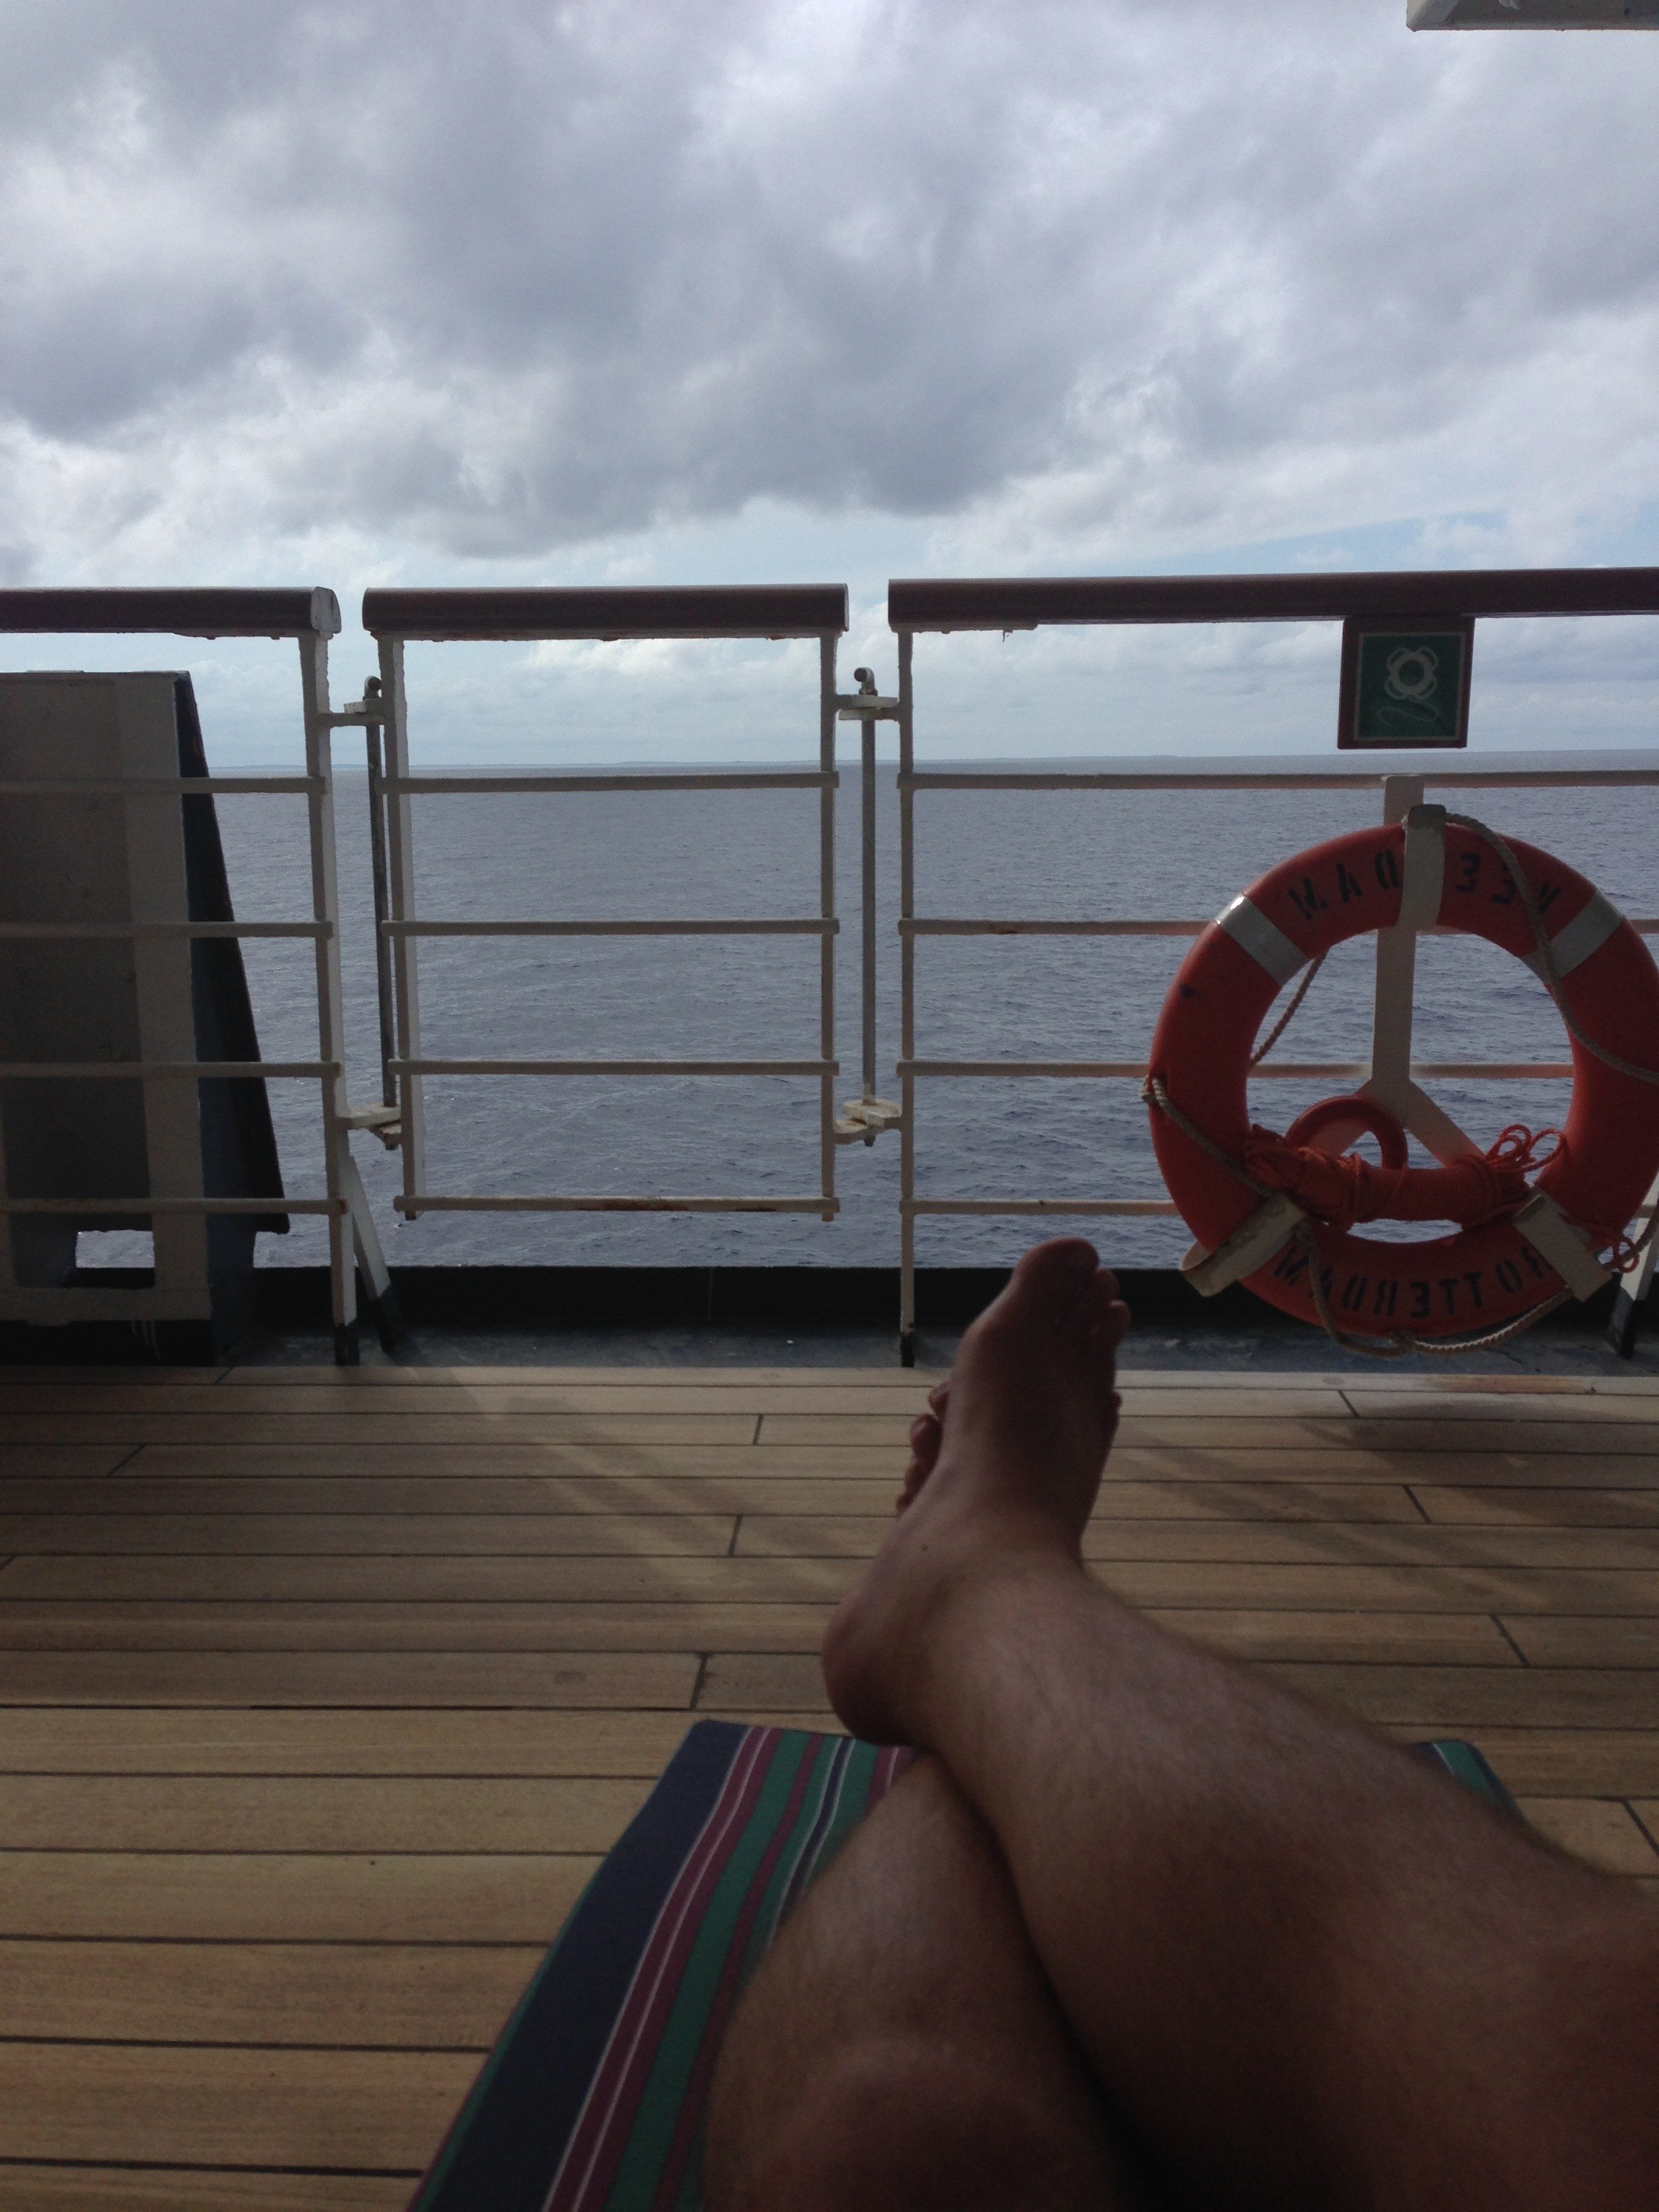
(467, 290)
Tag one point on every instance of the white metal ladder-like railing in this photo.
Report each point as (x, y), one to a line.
(397, 618)
(927, 607)
(311, 617)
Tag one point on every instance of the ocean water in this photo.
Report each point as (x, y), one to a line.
(754, 853)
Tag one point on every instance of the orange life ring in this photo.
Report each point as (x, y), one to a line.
(1485, 1275)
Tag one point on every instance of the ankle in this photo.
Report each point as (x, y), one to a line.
(987, 1608)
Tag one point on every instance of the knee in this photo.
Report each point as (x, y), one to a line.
(907, 2122)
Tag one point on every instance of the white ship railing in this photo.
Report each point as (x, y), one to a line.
(173, 1157)
(942, 606)
(396, 618)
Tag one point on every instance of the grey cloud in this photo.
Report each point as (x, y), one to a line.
(494, 278)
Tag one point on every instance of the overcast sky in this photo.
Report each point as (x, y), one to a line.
(460, 291)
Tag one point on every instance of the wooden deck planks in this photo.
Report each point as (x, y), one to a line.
(712, 1595)
(448, 1997)
(320, 1692)
(25, 2187)
(211, 1677)
(223, 2104)
(424, 1815)
(218, 1739)
(272, 1897)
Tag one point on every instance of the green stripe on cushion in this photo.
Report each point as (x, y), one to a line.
(661, 2102)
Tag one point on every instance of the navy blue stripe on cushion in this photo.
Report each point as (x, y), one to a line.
(510, 2136)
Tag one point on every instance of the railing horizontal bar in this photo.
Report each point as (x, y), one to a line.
(597, 611)
(172, 1206)
(814, 927)
(1522, 1071)
(24, 930)
(1131, 780)
(190, 611)
(1026, 602)
(607, 611)
(426, 1202)
(1532, 779)
(612, 1066)
(1022, 927)
(157, 786)
(446, 787)
(1294, 1070)
(1126, 1070)
(136, 1070)
(1368, 779)
(1137, 1206)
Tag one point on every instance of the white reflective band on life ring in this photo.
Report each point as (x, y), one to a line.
(1264, 941)
(1587, 932)
(1424, 870)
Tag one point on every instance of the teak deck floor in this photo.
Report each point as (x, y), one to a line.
(321, 1692)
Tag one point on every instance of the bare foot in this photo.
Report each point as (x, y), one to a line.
(1025, 1430)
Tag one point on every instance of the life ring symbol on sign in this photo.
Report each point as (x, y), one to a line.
(1413, 673)
(1521, 1242)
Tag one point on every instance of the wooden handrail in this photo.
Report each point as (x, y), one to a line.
(189, 611)
(602, 611)
(1027, 602)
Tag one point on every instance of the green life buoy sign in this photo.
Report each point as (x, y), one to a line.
(1405, 681)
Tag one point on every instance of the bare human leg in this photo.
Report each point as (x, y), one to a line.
(1307, 1972)
(899, 2049)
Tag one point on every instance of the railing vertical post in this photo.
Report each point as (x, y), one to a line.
(1633, 1288)
(411, 1108)
(868, 763)
(373, 736)
(906, 1003)
(1396, 976)
(827, 648)
(330, 1023)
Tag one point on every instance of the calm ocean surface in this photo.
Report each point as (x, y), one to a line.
(747, 853)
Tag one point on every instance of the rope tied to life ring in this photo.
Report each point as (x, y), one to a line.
(1341, 1189)
(1399, 1343)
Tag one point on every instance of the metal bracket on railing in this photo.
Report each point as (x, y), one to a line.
(867, 704)
(385, 1122)
(863, 1120)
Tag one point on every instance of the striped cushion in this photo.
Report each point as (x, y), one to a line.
(593, 2100)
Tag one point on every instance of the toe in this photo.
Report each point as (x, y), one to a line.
(925, 1439)
(1046, 1280)
(1056, 1270)
(1104, 1317)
